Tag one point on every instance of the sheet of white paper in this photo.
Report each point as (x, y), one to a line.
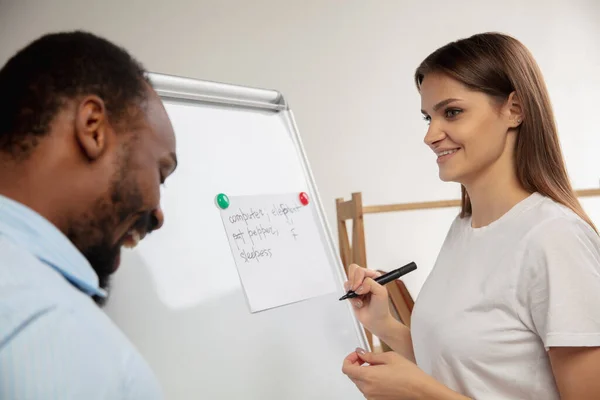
(278, 251)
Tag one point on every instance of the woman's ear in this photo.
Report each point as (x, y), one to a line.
(514, 110)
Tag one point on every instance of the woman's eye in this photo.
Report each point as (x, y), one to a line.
(427, 118)
(452, 112)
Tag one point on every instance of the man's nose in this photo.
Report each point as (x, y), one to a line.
(158, 219)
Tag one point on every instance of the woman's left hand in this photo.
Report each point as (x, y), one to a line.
(389, 376)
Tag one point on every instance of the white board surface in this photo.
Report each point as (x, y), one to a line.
(178, 296)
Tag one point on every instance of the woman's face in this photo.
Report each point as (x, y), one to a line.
(468, 130)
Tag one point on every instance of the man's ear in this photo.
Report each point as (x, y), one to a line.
(514, 110)
(92, 127)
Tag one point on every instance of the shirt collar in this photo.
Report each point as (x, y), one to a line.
(30, 230)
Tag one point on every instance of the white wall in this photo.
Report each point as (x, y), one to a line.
(346, 68)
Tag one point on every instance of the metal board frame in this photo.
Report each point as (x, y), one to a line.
(208, 92)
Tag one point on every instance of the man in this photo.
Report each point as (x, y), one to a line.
(84, 145)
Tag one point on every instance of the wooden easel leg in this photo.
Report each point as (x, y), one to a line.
(359, 253)
(352, 253)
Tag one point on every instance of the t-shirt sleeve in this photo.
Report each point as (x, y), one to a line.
(559, 287)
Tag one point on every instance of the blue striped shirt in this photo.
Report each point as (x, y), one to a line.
(55, 342)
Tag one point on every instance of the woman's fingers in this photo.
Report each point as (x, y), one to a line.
(360, 277)
(357, 275)
(370, 286)
(358, 302)
(351, 271)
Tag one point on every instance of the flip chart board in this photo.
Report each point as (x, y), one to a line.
(179, 295)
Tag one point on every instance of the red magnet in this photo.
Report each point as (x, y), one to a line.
(303, 199)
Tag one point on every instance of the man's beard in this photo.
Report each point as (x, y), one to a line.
(94, 232)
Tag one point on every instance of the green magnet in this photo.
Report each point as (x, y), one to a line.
(223, 201)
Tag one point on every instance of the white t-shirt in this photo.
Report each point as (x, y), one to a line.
(500, 296)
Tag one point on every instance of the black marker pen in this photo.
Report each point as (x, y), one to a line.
(386, 278)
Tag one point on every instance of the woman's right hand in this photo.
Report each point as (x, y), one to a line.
(372, 306)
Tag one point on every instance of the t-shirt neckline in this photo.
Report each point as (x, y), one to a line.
(512, 213)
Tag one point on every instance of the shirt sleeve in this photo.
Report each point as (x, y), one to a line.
(560, 283)
(52, 356)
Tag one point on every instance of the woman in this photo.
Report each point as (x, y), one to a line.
(511, 310)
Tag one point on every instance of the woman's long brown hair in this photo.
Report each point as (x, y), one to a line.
(498, 65)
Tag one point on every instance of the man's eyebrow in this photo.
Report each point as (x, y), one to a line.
(442, 104)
